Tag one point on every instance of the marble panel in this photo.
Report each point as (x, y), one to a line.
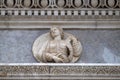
(99, 46)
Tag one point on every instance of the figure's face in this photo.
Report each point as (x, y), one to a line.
(55, 32)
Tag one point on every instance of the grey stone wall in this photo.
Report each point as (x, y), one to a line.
(99, 46)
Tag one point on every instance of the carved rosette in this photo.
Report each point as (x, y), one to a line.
(78, 3)
(94, 3)
(111, 3)
(27, 3)
(61, 3)
(9, 3)
(44, 3)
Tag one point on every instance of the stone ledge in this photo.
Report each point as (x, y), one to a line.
(65, 24)
(60, 71)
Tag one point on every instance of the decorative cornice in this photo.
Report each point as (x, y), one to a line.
(60, 8)
(22, 12)
(60, 4)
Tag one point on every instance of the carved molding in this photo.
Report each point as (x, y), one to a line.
(59, 4)
(59, 71)
(30, 12)
(60, 7)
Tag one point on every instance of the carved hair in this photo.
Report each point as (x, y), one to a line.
(60, 29)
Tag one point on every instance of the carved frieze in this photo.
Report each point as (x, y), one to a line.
(59, 71)
(17, 69)
(50, 4)
(93, 70)
(61, 9)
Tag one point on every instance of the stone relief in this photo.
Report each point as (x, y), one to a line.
(59, 4)
(57, 47)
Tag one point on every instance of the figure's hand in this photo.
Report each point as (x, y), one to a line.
(58, 60)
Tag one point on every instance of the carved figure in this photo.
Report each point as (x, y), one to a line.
(57, 47)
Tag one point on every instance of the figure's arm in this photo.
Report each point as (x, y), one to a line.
(42, 52)
(69, 46)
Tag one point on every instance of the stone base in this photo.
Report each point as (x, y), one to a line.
(59, 71)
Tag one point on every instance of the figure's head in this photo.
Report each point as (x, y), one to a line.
(56, 31)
